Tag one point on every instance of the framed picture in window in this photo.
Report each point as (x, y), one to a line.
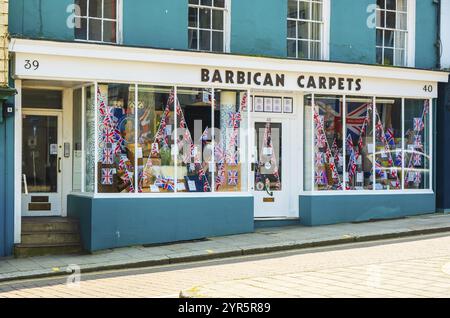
(268, 104)
(288, 105)
(277, 105)
(259, 104)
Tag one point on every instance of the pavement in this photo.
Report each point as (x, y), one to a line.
(260, 242)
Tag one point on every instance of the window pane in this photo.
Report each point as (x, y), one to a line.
(82, 4)
(315, 51)
(315, 31)
(328, 143)
(391, 4)
(206, 2)
(400, 57)
(303, 50)
(219, 3)
(379, 37)
(291, 29)
(156, 171)
(95, 30)
(417, 148)
(193, 12)
(292, 9)
(109, 31)
(359, 143)
(205, 37)
(388, 57)
(110, 9)
(389, 38)
(205, 18)
(193, 39)
(388, 149)
(381, 4)
(193, 1)
(304, 10)
(116, 142)
(81, 28)
(77, 156)
(291, 48)
(317, 11)
(303, 30)
(402, 5)
(390, 20)
(307, 140)
(217, 42)
(380, 18)
(379, 56)
(217, 22)
(89, 138)
(95, 8)
(230, 151)
(402, 21)
(194, 139)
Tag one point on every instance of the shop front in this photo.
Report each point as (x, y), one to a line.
(149, 146)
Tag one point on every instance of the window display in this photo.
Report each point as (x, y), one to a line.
(116, 146)
(328, 143)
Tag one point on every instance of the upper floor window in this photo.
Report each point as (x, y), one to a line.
(305, 29)
(208, 21)
(392, 32)
(96, 20)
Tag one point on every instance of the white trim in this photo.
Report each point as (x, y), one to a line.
(165, 195)
(216, 60)
(411, 47)
(366, 192)
(326, 11)
(96, 88)
(18, 165)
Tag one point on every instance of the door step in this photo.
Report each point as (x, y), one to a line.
(48, 236)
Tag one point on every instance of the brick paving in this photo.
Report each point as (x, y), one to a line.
(418, 267)
(263, 240)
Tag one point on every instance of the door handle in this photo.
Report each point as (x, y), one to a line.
(59, 165)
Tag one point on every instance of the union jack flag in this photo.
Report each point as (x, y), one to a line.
(378, 168)
(319, 158)
(321, 140)
(232, 158)
(418, 124)
(107, 156)
(379, 126)
(389, 135)
(108, 135)
(233, 178)
(418, 141)
(349, 142)
(107, 176)
(220, 178)
(355, 117)
(235, 119)
(168, 184)
(219, 154)
(418, 178)
(398, 159)
(319, 178)
(417, 160)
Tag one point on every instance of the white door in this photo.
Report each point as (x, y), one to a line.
(273, 173)
(41, 163)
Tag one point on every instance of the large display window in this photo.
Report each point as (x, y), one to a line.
(163, 139)
(363, 143)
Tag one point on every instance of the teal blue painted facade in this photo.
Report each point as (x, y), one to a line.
(161, 24)
(351, 39)
(110, 223)
(323, 210)
(426, 34)
(259, 27)
(45, 19)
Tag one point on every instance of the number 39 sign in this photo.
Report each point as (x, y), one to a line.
(31, 64)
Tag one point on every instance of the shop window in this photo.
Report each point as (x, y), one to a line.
(193, 142)
(305, 26)
(89, 138)
(386, 145)
(388, 151)
(96, 20)
(229, 146)
(392, 32)
(208, 21)
(359, 142)
(116, 142)
(328, 143)
(77, 154)
(417, 146)
(155, 139)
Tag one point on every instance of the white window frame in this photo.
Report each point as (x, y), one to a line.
(373, 191)
(118, 20)
(325, 30)
(410, 32)
(226, 26)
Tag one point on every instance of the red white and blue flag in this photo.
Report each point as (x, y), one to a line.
(107, 156)
(233, 178)
(418, 124)
(107, 176)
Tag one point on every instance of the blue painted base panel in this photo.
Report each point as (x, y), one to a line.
(332, 209)
(118, 222)
(264, 224)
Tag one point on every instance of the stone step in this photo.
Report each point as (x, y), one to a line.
(50, 237)
(28, 250)
(49, 224)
